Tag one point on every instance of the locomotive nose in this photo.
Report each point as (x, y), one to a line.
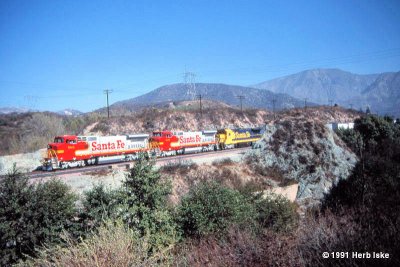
(52, 146)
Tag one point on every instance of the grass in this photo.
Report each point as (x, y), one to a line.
(113, 245)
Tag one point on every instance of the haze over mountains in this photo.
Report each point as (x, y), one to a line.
(380, 92)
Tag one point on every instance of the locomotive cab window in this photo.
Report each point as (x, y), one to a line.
(58, 140)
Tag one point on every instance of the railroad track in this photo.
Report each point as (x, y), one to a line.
(159, 162)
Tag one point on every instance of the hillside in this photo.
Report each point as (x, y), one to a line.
(254, 98)
(307, 152)
(187, 118)
(378, 91)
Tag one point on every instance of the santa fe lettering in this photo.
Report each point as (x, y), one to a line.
(108, 146)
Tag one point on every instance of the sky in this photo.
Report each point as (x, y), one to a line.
(64, 54)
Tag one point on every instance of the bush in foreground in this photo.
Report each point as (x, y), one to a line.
(275, 212)
(32, 215)
(114, 245)
(211, 208)
(140, 203)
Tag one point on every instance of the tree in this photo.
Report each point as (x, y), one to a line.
(31, 215)
(143, 204)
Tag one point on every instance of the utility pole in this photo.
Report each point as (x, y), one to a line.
(199, 96)
(108, 107)
(241, 97)
(273, 106)
(351, 106)
(305, 103)
(331, 102)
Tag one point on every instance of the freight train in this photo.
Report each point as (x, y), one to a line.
(77, 151)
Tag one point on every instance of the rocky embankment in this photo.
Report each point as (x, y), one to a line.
(305, 151)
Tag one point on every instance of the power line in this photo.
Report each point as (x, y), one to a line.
(107, 91)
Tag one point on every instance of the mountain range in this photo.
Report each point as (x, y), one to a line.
(229, 94)
(379, 92)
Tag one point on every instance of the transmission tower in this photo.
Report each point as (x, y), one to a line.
(241, 97)
(190, 84)
(31, 101)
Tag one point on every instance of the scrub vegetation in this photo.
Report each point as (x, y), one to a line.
(212, 224)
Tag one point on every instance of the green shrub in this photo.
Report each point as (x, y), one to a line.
(144, 197)
(99, 204)
(140, 203)
(32, 215)
(211, 208)
(353, 139)
(275, 212)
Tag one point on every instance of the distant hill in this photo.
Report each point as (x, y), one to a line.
(383, 95)
(378, 91)
(69, 112)
(8, 110)
(254, 98)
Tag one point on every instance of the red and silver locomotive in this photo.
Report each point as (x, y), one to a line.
(167, 143)
(74, 151)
